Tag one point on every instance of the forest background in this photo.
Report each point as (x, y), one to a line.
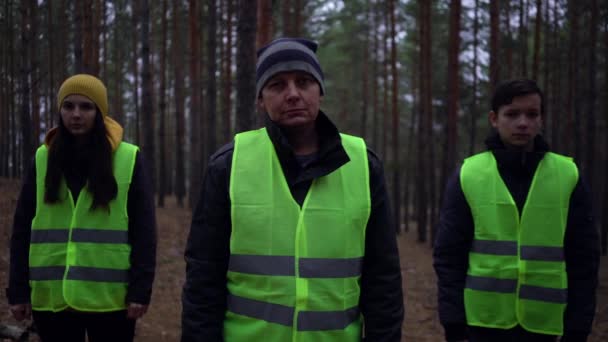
(413, 78)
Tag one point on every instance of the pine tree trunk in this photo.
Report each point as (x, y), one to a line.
(286, 18)
(537, 42)
(365, 76)
(494, 33)
(78, 9)
(375, 78)
(264, 13)
(162, 106)
(245, 65)
(135, 14)
(453, 89)
(425, 170)
(211, 81)
(35, 74)
(25, 122)
(177, 50)
(395, 108)
(473, 132)
(147, 96)
(227, 77)
(195, 103)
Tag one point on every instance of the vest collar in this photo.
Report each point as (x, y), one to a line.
(331, 154)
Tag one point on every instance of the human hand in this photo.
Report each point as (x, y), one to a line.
(136, 310)
(21, 311)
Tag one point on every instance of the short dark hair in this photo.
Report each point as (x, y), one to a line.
(507, 90)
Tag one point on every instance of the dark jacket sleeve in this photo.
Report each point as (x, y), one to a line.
(18, 291)
(381, 290)
(207, 252)
(451, 258)
(142, 235)
(582, 253)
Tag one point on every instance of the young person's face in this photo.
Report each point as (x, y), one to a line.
(78, 114)
(519, 122)
(291, 99)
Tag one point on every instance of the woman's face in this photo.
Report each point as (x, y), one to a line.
(78, 114)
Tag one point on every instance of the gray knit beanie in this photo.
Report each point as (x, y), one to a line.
(287, 54)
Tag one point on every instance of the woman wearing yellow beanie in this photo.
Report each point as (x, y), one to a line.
(83, 247)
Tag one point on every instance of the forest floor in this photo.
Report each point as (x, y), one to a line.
(162, 322)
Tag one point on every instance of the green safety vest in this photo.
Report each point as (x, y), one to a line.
(294, 273)
(517, 274)
(79, 258)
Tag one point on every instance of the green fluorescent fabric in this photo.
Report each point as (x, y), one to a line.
(294, 272)
(517, 273)
(79, 258)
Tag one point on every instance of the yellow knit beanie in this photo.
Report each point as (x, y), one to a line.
(93, 88)
(88, 86)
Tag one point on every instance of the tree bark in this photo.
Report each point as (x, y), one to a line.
(385, 87)
(473, 132)
(286, 18)
(453, 88)
(592, 95)
(264, 13)
(537, 42)
(494, 66)
(424, 157)
(365, 76)
(195, 103)
(211, 81)
(35, 74)
(227, 77)
(245, 65)
(178, 93)
(147, 94)
(162, 106)
(523, 37)
(25, 122)
(77, 39)
(135, 13)
(395, 109)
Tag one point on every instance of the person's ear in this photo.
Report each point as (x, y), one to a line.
(493, 118)
(260, 104)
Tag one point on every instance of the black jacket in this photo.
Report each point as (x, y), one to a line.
(455, 233)
(207, 252)
(142, 233)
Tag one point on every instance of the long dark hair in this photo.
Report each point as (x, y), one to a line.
(99, 176)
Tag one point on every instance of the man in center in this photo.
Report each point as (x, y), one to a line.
(292, 239)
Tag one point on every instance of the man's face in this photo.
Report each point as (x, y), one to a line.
(519, 122)
(291, 99)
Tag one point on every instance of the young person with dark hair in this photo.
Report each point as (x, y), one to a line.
(516, 253)
(83, 246)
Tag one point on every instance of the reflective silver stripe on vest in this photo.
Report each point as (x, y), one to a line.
(107, 275)
(284, 266)
(262, 264)
(100, 236)
(268, 312)
(49, 235)
(542, 253)
(79, 235)
(330, 268)
(543, 294)
(326, 320)
(491, 284)
(494, 247)
(281, 314)
(47, 273)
